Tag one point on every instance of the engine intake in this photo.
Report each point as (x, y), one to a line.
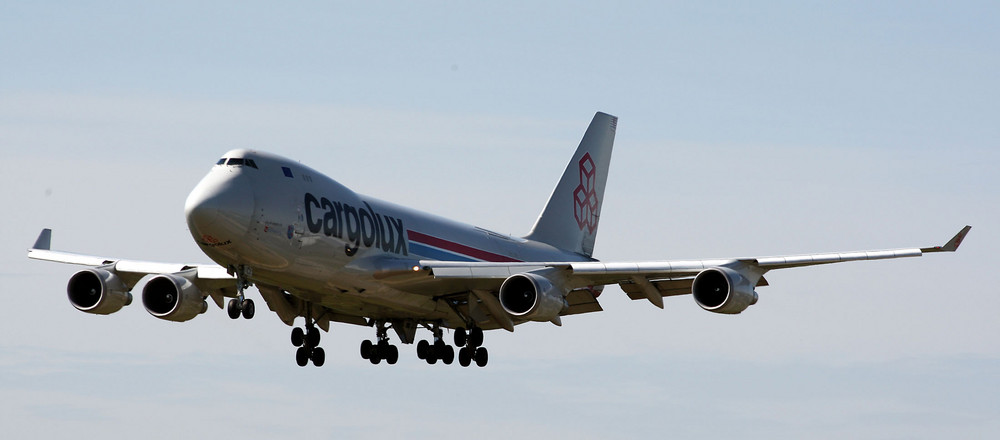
(98, 291)
(723, 290)
(532, 296)
(173, 297)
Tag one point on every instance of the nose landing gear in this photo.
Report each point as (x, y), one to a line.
(241, 305)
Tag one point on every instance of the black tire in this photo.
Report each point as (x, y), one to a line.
(475, 337)
(318, 356)
(366, 349)
(302, 356)
(248, 309)
(298, 336)
(482, 356)
(233, 309)
(461, 337)
(374, 357)
(423, 348)
(312, 337)
(393, 355)
(448, 355)
(433, 353)
(465, 356)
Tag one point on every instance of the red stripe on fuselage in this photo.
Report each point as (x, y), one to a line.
(458, 248)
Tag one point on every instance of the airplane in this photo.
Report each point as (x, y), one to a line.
(315, 249)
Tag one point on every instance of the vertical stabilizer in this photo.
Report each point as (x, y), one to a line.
(569, 220)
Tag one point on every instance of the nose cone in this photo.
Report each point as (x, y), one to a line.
(220, 208)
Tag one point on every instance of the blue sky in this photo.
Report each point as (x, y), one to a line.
(746, 130)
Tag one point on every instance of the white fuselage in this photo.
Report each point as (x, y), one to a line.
(304, 233)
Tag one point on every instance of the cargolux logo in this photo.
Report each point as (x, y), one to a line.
(585, 195)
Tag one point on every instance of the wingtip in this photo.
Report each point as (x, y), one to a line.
(44, 240)
(953, 244)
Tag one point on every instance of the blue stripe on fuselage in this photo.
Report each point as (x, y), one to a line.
(435, 253)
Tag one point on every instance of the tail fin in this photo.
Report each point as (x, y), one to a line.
(569, 220)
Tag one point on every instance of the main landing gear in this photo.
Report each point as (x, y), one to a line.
(308, 342)
(380, 350)
(241, 305)
(470, 341)
(472, 349)
(438, 351)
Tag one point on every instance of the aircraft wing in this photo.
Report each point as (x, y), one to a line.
(656, 279)
(210, 278)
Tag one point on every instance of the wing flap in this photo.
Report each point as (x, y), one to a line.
(664, 287)
(582, 301)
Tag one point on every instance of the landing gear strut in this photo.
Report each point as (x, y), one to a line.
(381, 349)
(308, 342)
(241, 305)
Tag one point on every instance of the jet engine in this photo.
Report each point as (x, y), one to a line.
(173, 297)
(98, 291)
(532, 296)
(723, 290)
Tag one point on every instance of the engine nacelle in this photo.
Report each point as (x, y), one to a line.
(532, 296)
(723, 290)
(173, 298)
(98, 291)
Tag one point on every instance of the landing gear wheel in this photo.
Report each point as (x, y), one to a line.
(482, 356)
(461, 337)
(423, 349)
(465, 356)
(318, 356)
(233, 309)
(448, 354)
(247, 308)
(393, 355)
(375, 357)
(302, 356)
(298, 336)
(439, 352)
(475, 337)
(366, 349)
(312, 337)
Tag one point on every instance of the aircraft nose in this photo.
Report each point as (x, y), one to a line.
(220, 208)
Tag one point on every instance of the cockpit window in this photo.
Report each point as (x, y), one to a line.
(236, 162)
